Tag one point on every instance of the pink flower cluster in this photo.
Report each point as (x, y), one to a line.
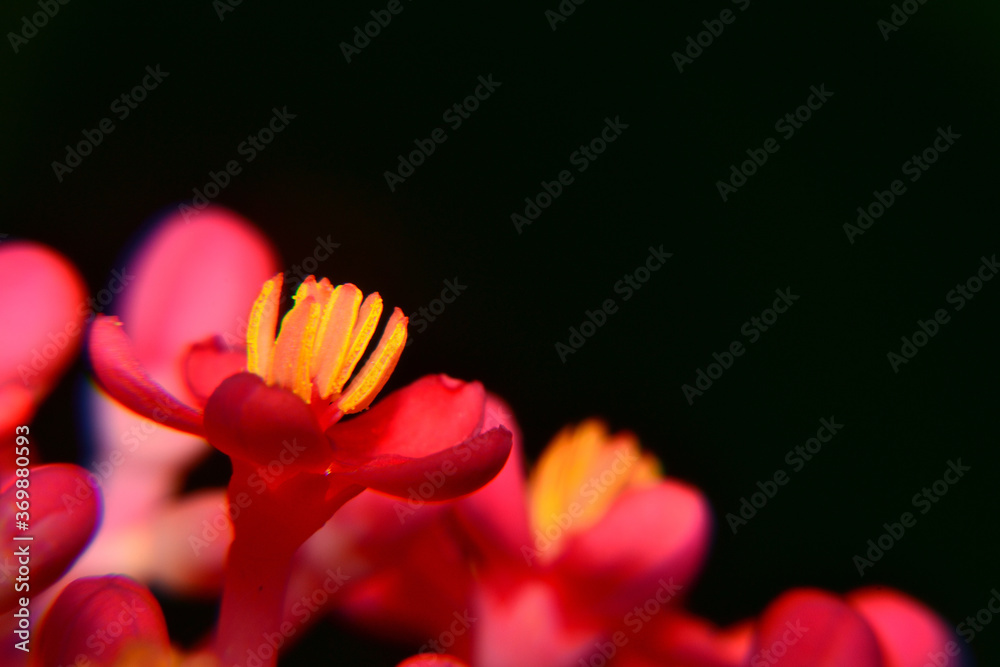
(410, 516)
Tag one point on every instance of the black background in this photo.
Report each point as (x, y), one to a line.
(324, 175)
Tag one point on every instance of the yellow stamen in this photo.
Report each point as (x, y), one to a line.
(581, 473)
(262, 326)
(321, 340)
(376, 371)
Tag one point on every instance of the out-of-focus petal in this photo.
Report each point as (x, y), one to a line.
(433, 414)
(252, 421)
(681, 638)
(190, 540)
(104, 619)
(42, 305)
(191, 279)
(443, 475)
(124, 378)
(651, 538)
(208, 363)
(908, 632)
(17, 406)
(527, 625)
(64, 510)
(812, 628)
(433, 660)
(496, 516)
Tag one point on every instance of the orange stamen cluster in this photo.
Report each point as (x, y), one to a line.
(581, 473)
(321, 340)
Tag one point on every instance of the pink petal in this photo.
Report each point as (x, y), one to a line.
(443, 475)
(496, 516)
(249, 420)
(125, 379)
(651, 538)
(192, 279)
(432, 660)
(102, 618)
(208, 363)
(17, 407)
(681, 638)
(812, 628)
(432, 414)
(63, 514)
(43, 302)
(909, 633)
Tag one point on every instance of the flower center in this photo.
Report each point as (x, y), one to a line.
(580, 474)
(322, 338)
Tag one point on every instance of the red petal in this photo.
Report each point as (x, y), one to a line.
(443, 475)
(208, 363)
(681, 638)
(43, 301)
(811, 628)
(64, 511)
(122, 376)
(496, 516)
(103, 619)
(651, 538)
(432, 660)
(909, 633)
(432, 414)
(191, 279)
(249, 420)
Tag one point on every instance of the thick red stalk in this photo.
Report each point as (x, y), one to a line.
(277, 513)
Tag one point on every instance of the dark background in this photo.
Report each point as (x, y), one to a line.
(324, 175)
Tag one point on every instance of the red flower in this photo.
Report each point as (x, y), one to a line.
(280, 422)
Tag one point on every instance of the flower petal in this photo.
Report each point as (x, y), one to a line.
(496, 516)
(249, 420)
(648, 535)
(44, 294)
(433, 414)
(908, 632)
(104, 619)
(191, 279)
(208, 363)
(443, 475)
(64, 512)
(125, 379)
(432, 660)
(812, 628)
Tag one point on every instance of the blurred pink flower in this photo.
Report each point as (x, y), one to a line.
(43, 306)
